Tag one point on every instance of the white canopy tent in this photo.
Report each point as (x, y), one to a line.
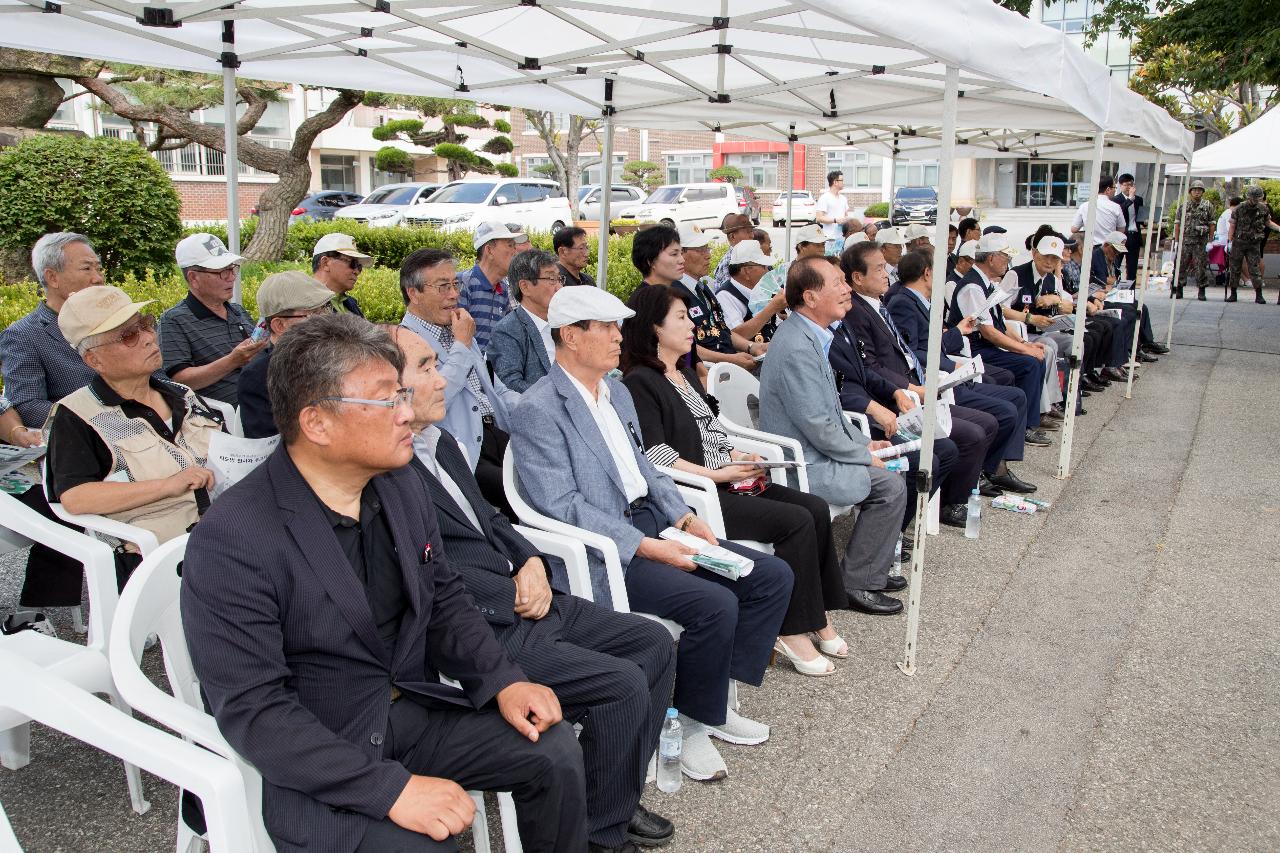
(719, 64)
(1250, 152)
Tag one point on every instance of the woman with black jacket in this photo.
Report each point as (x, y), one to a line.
(680, 430)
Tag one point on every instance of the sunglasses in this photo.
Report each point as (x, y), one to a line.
(130, 336)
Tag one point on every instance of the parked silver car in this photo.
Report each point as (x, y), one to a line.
(589, 199)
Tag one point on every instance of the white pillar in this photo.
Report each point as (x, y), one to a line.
(790, 185)
(1146, 274)
(231, 158)
(1177, 258)
(945, 157)
(1082, 301)
(606, 191)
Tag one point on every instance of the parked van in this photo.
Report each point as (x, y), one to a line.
(534, 204)
(677, 204)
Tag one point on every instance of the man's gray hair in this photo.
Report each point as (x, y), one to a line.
(981, 257)
(528, 266)
(50, 251)
(313, 359)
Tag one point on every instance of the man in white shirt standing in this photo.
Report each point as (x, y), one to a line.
(1110, 215)
(833, 208)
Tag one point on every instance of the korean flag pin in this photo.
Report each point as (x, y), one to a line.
(426, 553)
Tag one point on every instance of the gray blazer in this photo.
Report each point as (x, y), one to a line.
(517, 352)
(567, 472)
(798, 398)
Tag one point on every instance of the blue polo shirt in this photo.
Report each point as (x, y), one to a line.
(486, 302)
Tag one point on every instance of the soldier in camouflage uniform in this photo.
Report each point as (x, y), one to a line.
(1249, 226)
(1199, 225)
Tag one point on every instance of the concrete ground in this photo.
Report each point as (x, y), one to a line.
(1085, 681)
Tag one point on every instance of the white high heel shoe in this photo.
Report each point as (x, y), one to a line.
(836, 647)
(816, 668)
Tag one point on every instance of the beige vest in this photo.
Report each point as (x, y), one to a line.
(142, 454)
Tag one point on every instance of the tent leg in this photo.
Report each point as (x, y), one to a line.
(1146, 276)
(945, 168)
(1177, 259)
(893, 179)
(606, 193)
(231, 158)
(1082, 300)
(791, 184)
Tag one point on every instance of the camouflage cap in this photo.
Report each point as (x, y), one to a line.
(1196, 185)
(1256, 191)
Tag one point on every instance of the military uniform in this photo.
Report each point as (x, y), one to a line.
(1200, 224)
(1251, 218)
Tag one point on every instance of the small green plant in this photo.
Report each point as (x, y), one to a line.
(878, 210)
(728, 174)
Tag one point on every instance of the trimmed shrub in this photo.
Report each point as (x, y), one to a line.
(879, 210)
(108, 189)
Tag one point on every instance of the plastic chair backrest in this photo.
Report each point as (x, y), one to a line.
(734, 388)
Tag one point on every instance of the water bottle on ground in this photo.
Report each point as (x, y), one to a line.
(669, 745)
(973, 522)
(896, 569)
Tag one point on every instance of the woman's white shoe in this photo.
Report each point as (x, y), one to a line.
(836, 647)
(816, 668)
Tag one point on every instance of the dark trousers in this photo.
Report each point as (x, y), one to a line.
(1008, 405)
(1133, 242)
(52, 579)
(1028, 374)
(972, 433)
(613, 673)
(480, 750)
(798, 526)
(493, 446)
(729, 626)
(993, 375)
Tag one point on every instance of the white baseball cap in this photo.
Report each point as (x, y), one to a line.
(995, 242)
(343, 244)
(885, 236)
(1116, 241)
(693, 237)
(915, 231)
(575, 304)
(487, 231)
(809, 234)
(204, 250)
(1050, 245)
(749, 252)
(967, 249)
(855, 238)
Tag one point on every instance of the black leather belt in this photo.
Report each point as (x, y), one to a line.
(635, 505)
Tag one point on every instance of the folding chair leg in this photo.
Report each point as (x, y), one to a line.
(15, 747)
(480, 825)
(510, 829)
(77, 620)
(132, 777)
(933, 524)
(188, 841)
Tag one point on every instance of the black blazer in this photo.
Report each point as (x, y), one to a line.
(879, 349)
(859, 384)
(290, 660)
(912, 320)
(664, 417)
(479, 556)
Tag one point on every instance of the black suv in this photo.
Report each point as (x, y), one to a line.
(914, 204)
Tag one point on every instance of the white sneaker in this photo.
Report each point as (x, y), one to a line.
(699, 759)
(738, 729)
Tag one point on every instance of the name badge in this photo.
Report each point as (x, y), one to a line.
(695, 312)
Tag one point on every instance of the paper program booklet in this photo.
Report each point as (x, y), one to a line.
(713, 558)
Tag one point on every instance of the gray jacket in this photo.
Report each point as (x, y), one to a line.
(517, 352)
(799, 399)
(567, 472)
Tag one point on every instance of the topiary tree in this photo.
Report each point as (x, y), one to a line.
(508, 170)
(728, 174)
(392, 159)
(502, 125)
(642, 173)
(446, 141)
(108, 189)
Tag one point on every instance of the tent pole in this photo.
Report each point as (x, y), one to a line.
(606, 192)
(1146, 276)
(791, 184)
(893, 176)
(1082, 301)
(231, 158)
(1177, 261)
(945, 164)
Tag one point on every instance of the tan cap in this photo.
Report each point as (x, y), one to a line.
(915, 231)
(292, 290)
(95, 310)
(343, 244)
(885, 236)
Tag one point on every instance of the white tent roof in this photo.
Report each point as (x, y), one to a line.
(1250, 152)
(666, 63)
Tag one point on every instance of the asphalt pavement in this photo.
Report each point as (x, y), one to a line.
(1099, 676)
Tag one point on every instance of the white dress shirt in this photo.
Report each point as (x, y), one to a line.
(971, 299)
(1110, 218)
(544, 329)
(875, 306)
(615, 436)
(735, 314)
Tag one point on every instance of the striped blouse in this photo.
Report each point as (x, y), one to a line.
(715, 441)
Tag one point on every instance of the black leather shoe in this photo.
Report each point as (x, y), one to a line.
(895, 583)
(988, 489)
(1091, 387)
(624, 847)
(1011, 482)
(1259, 300)
(874, 602)
(1147, 358)
(1158, 349)
(1054, 414)
(648, 829)
(1115, 374)
(954, 515)
(1049, 425)
(1231, 297)
(1036, 438)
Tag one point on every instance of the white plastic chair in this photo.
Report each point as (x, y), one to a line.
(42, 695)
(85, 666)
(101, 526)
(8, 841)
(932, 523)
(702, 496)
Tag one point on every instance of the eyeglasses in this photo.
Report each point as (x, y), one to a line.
(323, 309)
(444, 286)
(555, 279)
(403, 397)
(130, 337)
(225, 272)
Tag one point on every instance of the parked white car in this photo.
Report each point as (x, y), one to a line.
(677, 204)
(623, 195)
(803, 208)
(535, 205)
(385, 206)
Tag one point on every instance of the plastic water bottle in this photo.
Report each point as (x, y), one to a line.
(669, 745)
(896, 569)
(973, 522)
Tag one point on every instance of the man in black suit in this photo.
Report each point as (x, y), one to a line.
(320, 614)
(1131, 203)
(613, 672)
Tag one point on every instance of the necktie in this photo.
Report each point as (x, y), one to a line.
(473, 381)
(902, 345)
(1047, 285)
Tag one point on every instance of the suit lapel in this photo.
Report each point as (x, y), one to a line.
(531, 329)
(406, 535)
(440, 498)
(585, 424)
(450, 459)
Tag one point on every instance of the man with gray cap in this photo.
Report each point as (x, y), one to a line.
(337, 263)
(285, 299)
(1247, 232)
(206, 338)
(484, 291)
(1194, 235)
(892, 243)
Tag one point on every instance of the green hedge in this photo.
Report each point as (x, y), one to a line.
(878, 210)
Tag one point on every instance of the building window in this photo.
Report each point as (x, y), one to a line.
(531, 164)
(595, 174)
(916, 175)
(337, 172)
(378, 178)
(862, 171)
(759, 170)
(690, 168)
(1055, 183)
